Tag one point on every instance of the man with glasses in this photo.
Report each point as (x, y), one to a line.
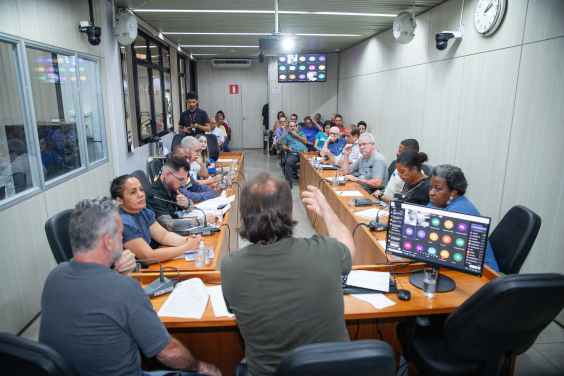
(174, 176)
(333, 145)
(351, 137)
(371, 170)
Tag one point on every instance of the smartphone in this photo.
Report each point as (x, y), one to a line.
(222, 206)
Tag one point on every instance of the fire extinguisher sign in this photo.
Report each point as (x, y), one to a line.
(233, 89)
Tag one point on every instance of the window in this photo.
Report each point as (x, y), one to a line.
(182, 82)
(192, 76)
(151, 72)
(55, 128)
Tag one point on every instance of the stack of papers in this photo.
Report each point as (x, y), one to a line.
(189, 299)
(379, 281)
(371, 213)
(349, 194)
(379, 301)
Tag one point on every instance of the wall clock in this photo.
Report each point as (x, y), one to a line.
(488, 15)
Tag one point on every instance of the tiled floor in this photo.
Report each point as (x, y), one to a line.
(545, 357)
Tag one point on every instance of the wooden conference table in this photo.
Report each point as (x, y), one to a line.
(218, 340)
(227, 238)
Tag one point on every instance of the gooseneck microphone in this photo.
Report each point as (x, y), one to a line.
(204, 230)
(403, 196)
(159, 286)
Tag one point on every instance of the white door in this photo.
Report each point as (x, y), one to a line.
(253, 98)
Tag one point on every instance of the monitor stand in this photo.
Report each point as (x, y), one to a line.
(444, 283)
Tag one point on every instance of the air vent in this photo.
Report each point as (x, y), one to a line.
(231, 63)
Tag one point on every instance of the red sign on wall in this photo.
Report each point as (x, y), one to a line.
(233, 89)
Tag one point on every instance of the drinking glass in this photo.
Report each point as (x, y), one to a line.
(352, 203)
(430, 282)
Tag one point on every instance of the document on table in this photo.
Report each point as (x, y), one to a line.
(379, 301)
(218, 303)
(215, 202)
(199, 214)
(224, 160)
(349, 193)
(371, 213)
(189, 256)
(188, 300)
(379, 281)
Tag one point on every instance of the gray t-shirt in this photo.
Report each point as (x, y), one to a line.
(99, 320)
(379, 170)
(285, 295)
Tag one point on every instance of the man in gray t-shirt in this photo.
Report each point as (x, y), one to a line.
(285, 292)
(371, 170)
(98, 319)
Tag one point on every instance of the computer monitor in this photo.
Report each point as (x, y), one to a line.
(438, 237)
(302, 67)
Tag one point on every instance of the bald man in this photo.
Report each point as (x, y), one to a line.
(333, 145)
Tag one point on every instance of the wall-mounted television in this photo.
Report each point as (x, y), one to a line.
(302, 68)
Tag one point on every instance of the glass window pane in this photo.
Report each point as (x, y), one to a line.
(17, 152)
(140, 48)
(158, 97)
(126, 100)
(183, 93)
(166, 58)
(154, 51)
(181, 65)
(144, 101)
(168, 101)
(92, 109)
(54, 89)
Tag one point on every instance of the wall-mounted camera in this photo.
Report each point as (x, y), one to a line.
(442, 38)
(93, 32)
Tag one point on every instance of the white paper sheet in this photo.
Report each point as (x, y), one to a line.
(383, 244)
(379, 301)
(189, 256)
(349, 193)
(199, 214)
(188, 300)
(371, 213)
(218, 303)
(379, 281)
(224, 160)
(215, 202)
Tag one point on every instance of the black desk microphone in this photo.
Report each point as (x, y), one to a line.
(205, 230)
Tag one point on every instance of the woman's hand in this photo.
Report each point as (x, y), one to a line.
(192, 242)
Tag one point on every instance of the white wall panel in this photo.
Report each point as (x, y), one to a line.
(484, 125)
(9, 17)
(544, 20)
(534, 171)
(322, 98)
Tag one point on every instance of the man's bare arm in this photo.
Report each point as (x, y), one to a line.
(171, 224)
(176, 356)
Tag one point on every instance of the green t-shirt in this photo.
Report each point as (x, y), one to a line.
(285, 295)
(292, 142)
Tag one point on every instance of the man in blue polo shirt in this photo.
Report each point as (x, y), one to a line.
(310, 132)
(293, 146)
(334, 143)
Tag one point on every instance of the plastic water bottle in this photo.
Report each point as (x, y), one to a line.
(234, 162)
(206, 257)
(199, 255)
(10, 187)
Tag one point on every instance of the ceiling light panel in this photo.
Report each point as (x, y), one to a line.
(249, 11)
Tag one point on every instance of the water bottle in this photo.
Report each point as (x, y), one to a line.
(199, 255)
(234, 162)
(10, 187)
(335, 183)
(206, 257)
(321, 169)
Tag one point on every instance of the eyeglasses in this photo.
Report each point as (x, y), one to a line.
(334, 134)
(363, 145)
(182, 182)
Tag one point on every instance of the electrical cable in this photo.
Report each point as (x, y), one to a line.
(378, 330)
(357, 330)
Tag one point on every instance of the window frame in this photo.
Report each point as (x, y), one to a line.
(30, 122)
(183, 106)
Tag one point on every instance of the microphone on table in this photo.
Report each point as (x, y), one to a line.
(399, 198)
(159, 286)
(220, 172)
(204, 230)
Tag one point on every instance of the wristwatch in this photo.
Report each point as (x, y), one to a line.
(380, 195)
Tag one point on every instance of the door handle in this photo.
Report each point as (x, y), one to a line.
(244, 118)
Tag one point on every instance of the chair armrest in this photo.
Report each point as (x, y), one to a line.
(241, 369)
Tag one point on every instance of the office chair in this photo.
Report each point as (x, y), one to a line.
(427, 169)
(392, 168)
(213, 146)
(20, 356)
(19, 179)
(143, 179)
(500, 321)
(2, 192)
(57, 230)
(176, 140)
(155, 166)
(514, 237)
(359, 358)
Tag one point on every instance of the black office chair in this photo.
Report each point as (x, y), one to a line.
(213, 146)
(155, 166)
(20, 356)
(392, 168)
(57, 230)
(2, 192)
(514, 237)
(427, 169)
(359, 358)
(19, 181)
(143, 179)
(176, 140)
(500, 321)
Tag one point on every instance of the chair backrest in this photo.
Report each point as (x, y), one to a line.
(514, 237)
(213, 146)
(177, 140)
(391, 168)
(20, 356)
(19, 181)
(504, 318)
(57, 230)
(427, 169)
(359, 358)
(143, 179)
(155, 166)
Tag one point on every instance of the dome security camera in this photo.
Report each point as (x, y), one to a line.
(93, 32)
(442, 38)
